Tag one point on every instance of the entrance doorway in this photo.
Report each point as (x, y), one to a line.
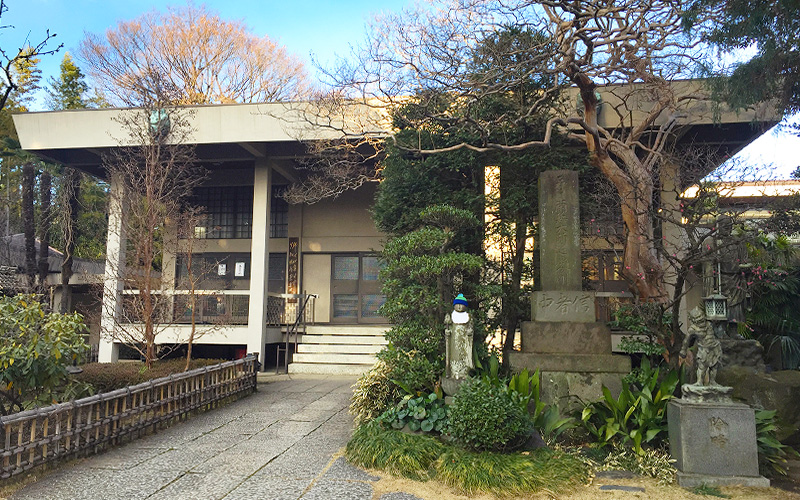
(355, 289)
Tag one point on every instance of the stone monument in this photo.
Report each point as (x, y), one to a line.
(712, 439)
(458, 333)
(564, 341)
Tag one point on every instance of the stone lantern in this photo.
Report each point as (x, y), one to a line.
(716, 306)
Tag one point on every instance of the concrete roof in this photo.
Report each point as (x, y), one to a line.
(244, 132)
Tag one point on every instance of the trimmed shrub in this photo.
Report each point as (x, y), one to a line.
(411, 370)
(105, 377)
(486, 417)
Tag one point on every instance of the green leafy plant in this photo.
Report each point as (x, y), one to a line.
(525, 388)
(651, 351)
(637, 416)
(485, 416)
(35, 349)
(422, 413)
(772, 454)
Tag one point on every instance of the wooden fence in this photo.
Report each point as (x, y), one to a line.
(89, 425)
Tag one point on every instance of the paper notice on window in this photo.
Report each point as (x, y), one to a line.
(238, 271)
(222, 269)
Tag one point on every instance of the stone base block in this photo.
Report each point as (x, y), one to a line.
(694, 480)
(713, 439)
(574, 363)
(569, 391)
(566, 337)
(567, 379)
(450, 385)
(556, 306)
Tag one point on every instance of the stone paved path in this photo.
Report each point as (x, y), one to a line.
(275, 444)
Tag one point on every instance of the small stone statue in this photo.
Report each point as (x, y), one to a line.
(709, 349)
(458, 337)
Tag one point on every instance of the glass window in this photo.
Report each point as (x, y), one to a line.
(372, 267)
(228, 212)
(345, 268)
(278, 214)
(345, 306)
(370, 305)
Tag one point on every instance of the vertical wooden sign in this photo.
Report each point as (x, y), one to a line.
(293, 265)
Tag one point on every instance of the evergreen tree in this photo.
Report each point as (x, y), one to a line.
(78, 233)
(70, 90)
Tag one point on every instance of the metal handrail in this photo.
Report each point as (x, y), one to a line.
(292, 330)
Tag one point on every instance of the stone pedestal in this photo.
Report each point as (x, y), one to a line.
(574, 360)
(714, 444)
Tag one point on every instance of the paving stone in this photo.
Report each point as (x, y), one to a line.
(274, 444)
(234, 463)
(181, 460)
(399, 495)
(97, 483)
(126, 457)
(269, 488)
(616, 487)
(343, 470)
(192, 485)
(295, 465)
(328, 490)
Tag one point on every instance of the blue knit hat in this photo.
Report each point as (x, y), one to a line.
(460, 299)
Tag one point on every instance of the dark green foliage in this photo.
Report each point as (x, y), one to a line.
(105, 377)
(771, 26)
(546, 418)
(422, 457)
(484, 416)
(423, 272)
(638, 416)
(412, 370)
(772, 454)
(524, 388)
(411, 184)
(773, 282)
(406, 455)
(422, 413)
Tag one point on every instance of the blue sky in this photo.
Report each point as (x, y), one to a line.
(319, 27)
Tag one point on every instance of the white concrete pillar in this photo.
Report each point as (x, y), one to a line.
(259, 259)
(112, 281)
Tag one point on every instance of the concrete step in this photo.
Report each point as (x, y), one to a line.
(348, 330)
(343, 339)
(330, 369)
(338, 348)
(337, 358)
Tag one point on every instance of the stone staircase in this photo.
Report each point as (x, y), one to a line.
(338, 350)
